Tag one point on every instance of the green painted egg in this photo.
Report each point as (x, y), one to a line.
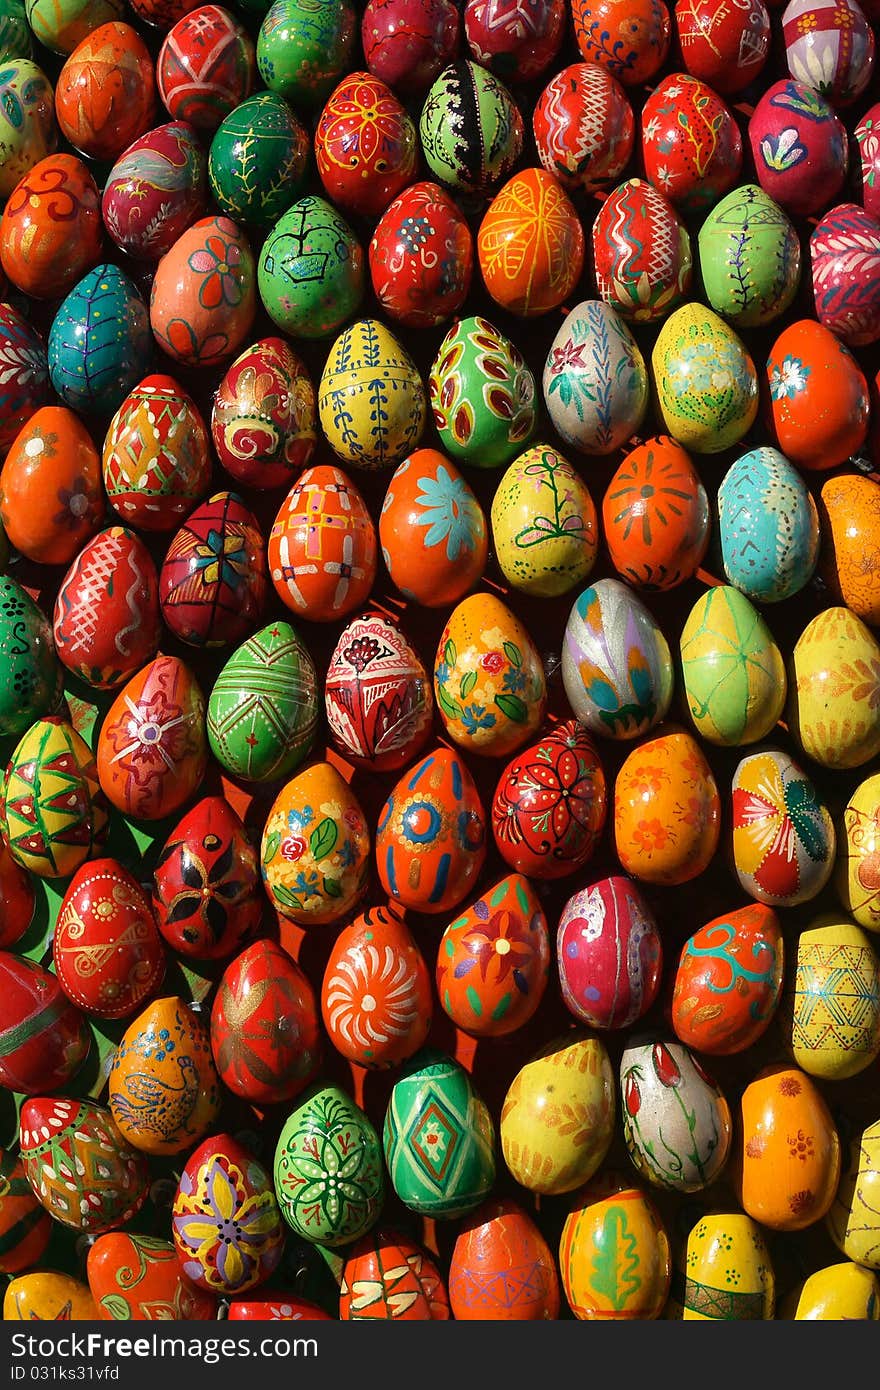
(54, 813)
(62, 24)
(544, 524)
(707, 388)
(371, 401)
(734, 674)
(483, 395)
(470, 128)
(304, 46)
(15, 34)
(30, 675)
(329, 1178)
(263, 709)
(257, 162)
(311, 270)
(750, 257)
(439, 1138)
(100, 344)
(28, 132)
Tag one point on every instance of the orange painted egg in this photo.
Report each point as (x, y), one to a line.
(156, 460)
(152, 749)
(728, 981)
(432, 531)
(502, 1269)
(676, 1120)
(655, 515)
(849, 515)
(276, 1307)
(44, 1039)
(787, 1163)
(54, 814)
(136, 1278)
(834, 690)
(203, 299)
(431, 835)
(25, 1228)
(51, 230)
(163, 1088)
(48, 1297)
(106, 623)
(614, 1254)
(630, 38)
(531, 245)
(50, 487)
(105, 96)
(667, 812)
(80, 1165)
(387, 1276)
(322, 547)
(818, 397)
(376, 998)
(212, 585)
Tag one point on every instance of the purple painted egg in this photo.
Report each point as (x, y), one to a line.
(24, 375)
(212, 586)
(829, 45)
(845, 251)
(156, 189)
(799, 147)
(867, 134)
(609, 954)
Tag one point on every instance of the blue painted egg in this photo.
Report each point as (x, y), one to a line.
(768, 526)
(100, 344)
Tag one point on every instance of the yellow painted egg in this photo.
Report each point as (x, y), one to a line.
(834, 690)
(371, 399)
(854, 1219)
(614, 1254)
(728, 1276)
(54, 815)
(707, 388)
(734, 675)
(857, 872)
(488, 678)
(557, 1120)
(840, 1293)
(831, 1010)
(48, 1297)
(544, 524)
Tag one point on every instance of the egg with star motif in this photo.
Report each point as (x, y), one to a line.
(782, 833)
(156, 460)
(55, 812)
(656, 516)
(212, 585)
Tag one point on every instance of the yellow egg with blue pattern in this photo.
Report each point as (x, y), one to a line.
(371, 399)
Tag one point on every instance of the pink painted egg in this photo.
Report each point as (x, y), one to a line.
(24, 374)
(691, 144)
(724, 45)
(867, 135)
(845, 252)
(584, 128)
(206, 67)
(829, 45)
(156, 189)
(156, 461)
(609, 954)
(212, 585)
(377, 695)
(641, 252)
(264, 422)
(799, 147)
(203, 300)
(106, 623)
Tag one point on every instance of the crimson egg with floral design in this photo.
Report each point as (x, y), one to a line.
(212, 585)
(676, 1121)
(50, 488)
(377, 695)
(155, 190)
(203, 299)
(691, 143)
(407, 42)
(366, 147)
(845, 256)
(867, 136)
(421, 257)
(799, 147)
(728, 981)
(264, 421)
(609, 954)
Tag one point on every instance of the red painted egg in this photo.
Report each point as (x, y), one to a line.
(609, 954)
(432, 531)
(162, 13)
(265, 1035)
(549, 805)
(408, 42)
(845, 253)
(51, 230)
(691, 145)
(584, 128)
(322, 547)
(212, 585)
(799, 147)
(728, 981)
(50, 488)
(264, 422)
(25, 1228)
(105, 96)
(421, 257)
(377, 695)
(641, 253)
(206, 894)
(135, 1278)
(206, 67)
(628, 37)
(203, 299)
(502, 1269)
(818, 395)
(725, 46)
(106, 624)
(867, 135)
(515, 41)
(366, 147)
(531, 245)
(156, 189)
(387, 1276)
(276, 1307)
(44, 1039)
(152, 749)
(24, 374)
(16, 899)
(107, 952)
(655, 515)
(156, 464)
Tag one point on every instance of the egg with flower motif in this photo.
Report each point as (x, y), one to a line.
(206, 67)
(819, 397)
(155, 190)
(278, 1307)
(62, 24)
(667, 812)
(156, 461)
(728, 981)
(137, 1278)
(387, 1276)
(203, 299)
(641, 253)
(733, 671)
(609, 954)
(544, 524)
(868, 147)
(304, 47)
(845, 254)
(106, 621)
(377, 695)
(831, 1010)
(483, 395)
(691, 145)
(432, 531)
(655, 516)
(25, 1228)
(725, 47)
(17, 899)
(421, 257)
(322, 547)
(849, 511)
(727, 1273)
(584, 127)
(595, 381)
(24, 374)
(311, 270)
(79, 1164)
(50, 487)
(105, 96)
(48, 1297)
(99, 342)
(431, 835)
(408, 42)
(768, 526)
(27, 120)
(613, 1225)
(30, 677)
(50, 233)
(840, 1293)
(212, 585)
(857, 872)
(799, 147)
(530, 245)
(829, 45)
(853, 1222)
(502, 1269)
(366, 148)
(834, 690)
(54, 814)
(628, 37)
(750, 257)
(676, 1121)
(264, 420)
(471, 129)
(258, 158)
(44, 1038)
(707, 387)
(371, 401)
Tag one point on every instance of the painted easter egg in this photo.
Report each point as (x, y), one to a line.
(783, 835)
(834, 679)
(408, 42)
(584, 127)
(787, 1164)
(371, 401)
(831, 1012)
(609, 954)
(152, 749)
(27, 120)
(257, 161)
(30, 677)
(750, 258)
(667, 812)
(137, 1278)
(728, 1275)
(733, 671)
(483, 395)
(315, 850)
(691, 145)
(707, 387)
(844, 250)
(50, 487)
(376, 995)
(366, 148)
(17, 899)
(818, 397)
(842, 1292)
(502, 1269)
(106, 620)
(799, 147)
(304, 47)
(544, 524)
(155, 190)
(628, 37)
(311, 270)
(263, 707)
(99, 342)
(327, 1135)
(377, 695)
(595, 382)
(728, 981)
(768, 526)
(25, 1228)
(282, 1307)
(24, 374)
(322, 547)
(557, 1120)
(489, 679)
(48, 1297)
(54, 814)
(264, 1026)
(264, 420)
(519, 42)
(431, 835)
(531, 245)
(548, 810)
(212, 585)
(44, 1039)
(655, 516)
(107, 953)
(849, 511)
(206, 883)
(438, 1138)
(829, 46)
(105, 96)
(471, 129)
(726, 48)
(421, 257)
(613, 1226)
(641, 253)
(432, 531)
(156, 460)
(853, 1221)
(79, 1164)
(616, 663)
(676, 1121)
(387, 1276)
(163, 1087)
(857, 874)
(203, 299)
(50, 233)
(62, 24)
(206, 67)
(494, 959)
(868, 147)
(15, 33)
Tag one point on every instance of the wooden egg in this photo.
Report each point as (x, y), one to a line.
(857, 873)
(727, 49)
(834, 690)
(531, 245)
(50, 487)
(44, 1039)
(614, 1254)
(799, 147)
(156, 461)
(30, 677)
(311, 270)
(25, 1228)
(707, 388)
(676, 1120)
(421, 257)
(844, 250)
(831, 1011)
(544, 525)
(377, 695)
(24, 374)
(728, 1274)
(850, 516)
(203, 299)
(818, 397)
(432, 531)
(655, 515)
(783, 835)
(584, 128)
(840, 1293)
(264, 422)
(48, 1297)
(630, 40)
(212, 585)
(322, 547)
(137, 1278)
(728, 981)
(667, 812)
(609, 954)
(387, 1276)
(691, 145)
(105, 96)
(280, 1307)
(371, 401)
(258, 160)
(483, 395)
(595, 382)
(734, 675)
(44, 253)
(17, 900)
(768, 526)
(502, 1269)
(853, 1221)
(366, 147)
(869, 160)
(206, 67)
(303, 49)
(27, 116)
(407, 42)
(156, 190)
(507, 42)
(54, 815)
(750, 258)
(641, 253)
(80, 1165)
(471, 129)
(106, 623)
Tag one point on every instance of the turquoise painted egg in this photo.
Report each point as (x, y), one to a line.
(439, 1138)
(27, 120)
(676, 1121)
(595, 380)
(707, 387)
(100, 343)
(734, 674)
(30, 676)
(750, 257)
(483, 395)
(616, 664)
(768, 526)
(311, 270)
(371, 400)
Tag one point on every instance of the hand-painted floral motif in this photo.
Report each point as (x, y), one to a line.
(676, 1122)
(783, 836)
(226, 1224)
(595, 382)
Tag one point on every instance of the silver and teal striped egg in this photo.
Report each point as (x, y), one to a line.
(100, 344)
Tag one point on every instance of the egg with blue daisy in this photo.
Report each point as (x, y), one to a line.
(432, 531)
